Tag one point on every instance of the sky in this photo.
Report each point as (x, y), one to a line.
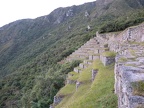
(12, 10)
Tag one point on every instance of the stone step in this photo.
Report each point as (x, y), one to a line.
(72, 59)
(81, 53)
(94, 57)
(90, 43)
(89, 51)
(92, 46)
(83, 66)
(88, 62)
(78, 56)
(68, 81)
(77, 69)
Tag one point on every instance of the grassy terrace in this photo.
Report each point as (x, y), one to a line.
(98, 94)
(67, 90)
(73, 76)
(109, 54)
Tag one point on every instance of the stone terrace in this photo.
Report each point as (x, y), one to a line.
(129, 63)
(88, 49)
(129, 69)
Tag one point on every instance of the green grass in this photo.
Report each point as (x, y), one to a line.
(138, 88)
(66, 90)
(68, 101)
(90, 60)
(106, 49)
(85, 75)
(96, 54)
(109, 54)
(123, 59)
(105, 45)
(98, 94)
(132, 52)
(73, 76)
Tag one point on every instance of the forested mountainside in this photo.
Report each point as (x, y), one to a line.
(30, 48)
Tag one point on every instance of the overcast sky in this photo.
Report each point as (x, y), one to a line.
(11, 10)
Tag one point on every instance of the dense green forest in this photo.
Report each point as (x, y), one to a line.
(30, 49)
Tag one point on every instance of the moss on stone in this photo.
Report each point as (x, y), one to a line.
(122, 59)
(106, 49)
(73, 76)
(109, 54)
(105, 45)
(138, 88)
(132, 52)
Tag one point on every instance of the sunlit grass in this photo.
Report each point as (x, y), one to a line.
(73, 76)
(109, 54)
(98, 94)
(66, 90)
(85, 75)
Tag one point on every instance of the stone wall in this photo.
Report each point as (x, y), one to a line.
(126, 72)
(93, 57)
(135, 33)
(132, 34)
(57, 100)
(124, 77)
(107, 60)
(94, 72)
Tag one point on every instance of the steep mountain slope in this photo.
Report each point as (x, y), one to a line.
(22, 35)
(31, 48)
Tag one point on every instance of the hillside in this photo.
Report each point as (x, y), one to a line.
(31, 48)
(96, 94)
(115, 67)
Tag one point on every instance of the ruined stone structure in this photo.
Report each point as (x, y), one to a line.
(129, 68)
(107, 60)
(129, 63)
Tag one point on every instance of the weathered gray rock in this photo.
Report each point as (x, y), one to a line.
(124, 76)
(77, 85)
(71, 81)
(57, 99)
(107, 60)
(86, 14)
(93, 57)
(51, 106)
(94, 72)
(77, 70)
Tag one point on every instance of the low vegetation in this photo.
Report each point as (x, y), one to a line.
(96, 94)
(122, 23)
(109, 54)
(67, 90)
(73, 76)
(138, 88)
